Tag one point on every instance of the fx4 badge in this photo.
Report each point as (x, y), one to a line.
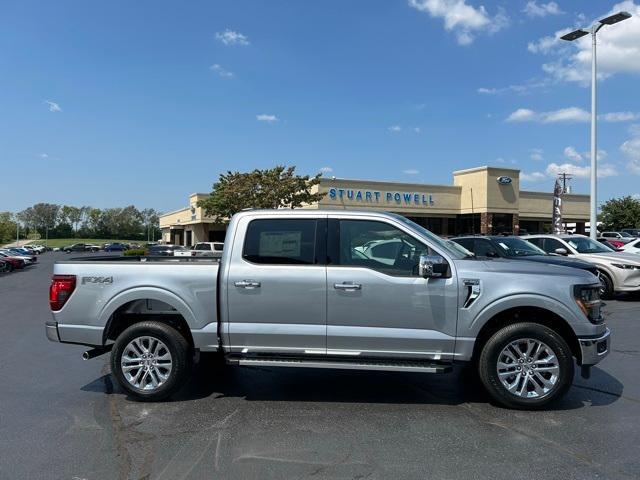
(97, 280)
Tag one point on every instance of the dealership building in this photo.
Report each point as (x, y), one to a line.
(482, 200)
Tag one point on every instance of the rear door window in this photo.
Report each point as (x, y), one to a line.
(282, 242)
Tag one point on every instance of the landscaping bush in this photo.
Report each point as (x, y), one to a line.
(133, 252)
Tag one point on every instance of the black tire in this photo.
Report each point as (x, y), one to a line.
(492, 350)
(607, 291)
(181, 360)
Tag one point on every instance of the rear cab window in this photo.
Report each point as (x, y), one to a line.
(284, 241)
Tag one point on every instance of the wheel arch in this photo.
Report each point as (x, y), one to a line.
(534, 314)
(140, 304)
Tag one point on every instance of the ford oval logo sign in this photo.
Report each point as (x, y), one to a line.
(504, 180)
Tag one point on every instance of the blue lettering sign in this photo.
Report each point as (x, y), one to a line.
(332, 193)
(359, 195)
(350, 194)
(396, 197)
(341, 192)
(377, 194)
(367, 196)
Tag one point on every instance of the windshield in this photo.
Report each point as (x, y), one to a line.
(586, 245)
(516, 247)
(626, 234)
(452, 248)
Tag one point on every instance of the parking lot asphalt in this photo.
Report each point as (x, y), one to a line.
(64, 418)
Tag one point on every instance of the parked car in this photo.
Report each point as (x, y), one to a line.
(515, 248)
(202, 249)
(116, 247)
(618, 271)
(80, 247)
(611, 243)
(632, 247)
(27, 259)
(166, 250)
(5, 266)
(619, 236)
(634, 232)
(291, 291)
(38, 248)
(14, 262)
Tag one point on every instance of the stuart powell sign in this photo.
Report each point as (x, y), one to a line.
(376, 196)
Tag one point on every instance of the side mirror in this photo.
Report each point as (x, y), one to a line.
(561, 251)
(432, 266)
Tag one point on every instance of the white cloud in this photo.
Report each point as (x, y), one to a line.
(532, 177)
(230, 37)
(567, 115)
(572, 154)
(221, 71)
(619, 116)
(618, 49)
(462, 19)
(631, 149)
(324, 170)
(563, 115)
(532, 9)
(417, 129)
(394, 128)
(53, 106)
(522, 115)
(411, 171)
(263, 117)
(536, 154)
(604, 170)
(43, 155)
(602, 155)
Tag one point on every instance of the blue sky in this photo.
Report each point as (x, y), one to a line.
(120, 102)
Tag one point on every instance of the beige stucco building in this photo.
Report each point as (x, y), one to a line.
(481, 200)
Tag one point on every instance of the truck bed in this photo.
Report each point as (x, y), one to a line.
(108, 286)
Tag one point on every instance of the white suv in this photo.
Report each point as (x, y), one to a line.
(618, 271)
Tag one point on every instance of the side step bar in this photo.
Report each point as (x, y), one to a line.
(360, 364)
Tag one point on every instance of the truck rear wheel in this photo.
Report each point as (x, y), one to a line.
(526, 366)
(151, 360)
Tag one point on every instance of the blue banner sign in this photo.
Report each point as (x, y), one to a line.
(373, 196)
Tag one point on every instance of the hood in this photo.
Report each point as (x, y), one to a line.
(613, 257)
(518, 267)
(558, 260)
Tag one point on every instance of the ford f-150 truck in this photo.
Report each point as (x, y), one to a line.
(334, 289)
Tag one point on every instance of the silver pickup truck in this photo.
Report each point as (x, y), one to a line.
(334, 289)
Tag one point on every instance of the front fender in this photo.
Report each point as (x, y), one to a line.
(573, 317)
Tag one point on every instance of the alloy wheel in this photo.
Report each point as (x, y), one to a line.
(528, 368)
(146, 363)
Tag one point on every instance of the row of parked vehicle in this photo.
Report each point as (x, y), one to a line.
(617, 269)
(17, 258)
(90, 247)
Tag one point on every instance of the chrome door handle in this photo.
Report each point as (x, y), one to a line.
(349, 287)
(248, 284)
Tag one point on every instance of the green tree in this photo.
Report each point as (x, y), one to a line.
(7, 227)
(619, 213)
(277, 187)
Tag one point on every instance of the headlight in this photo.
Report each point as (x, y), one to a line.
(625, 266)
(588, 299)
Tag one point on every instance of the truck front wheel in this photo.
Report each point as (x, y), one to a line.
(151, 360)
(526, 366)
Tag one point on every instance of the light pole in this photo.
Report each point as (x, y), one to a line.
(570, 37)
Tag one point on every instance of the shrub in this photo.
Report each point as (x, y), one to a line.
(133, 252)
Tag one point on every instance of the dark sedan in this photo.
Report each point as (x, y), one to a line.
(164, 250)
(515, 248)
(115, 247)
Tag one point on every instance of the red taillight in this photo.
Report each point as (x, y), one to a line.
(62, 286)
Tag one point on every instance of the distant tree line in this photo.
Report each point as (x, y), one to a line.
(66, 221)
(619, 213)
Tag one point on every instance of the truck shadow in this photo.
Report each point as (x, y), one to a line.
(212, 379)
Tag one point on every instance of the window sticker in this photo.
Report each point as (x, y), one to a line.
(280, 244)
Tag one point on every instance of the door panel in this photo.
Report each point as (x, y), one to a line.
(390, 311)
(277, 288)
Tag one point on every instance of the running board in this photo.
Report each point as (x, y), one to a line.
(391, 366)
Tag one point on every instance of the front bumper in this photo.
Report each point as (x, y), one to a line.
(593, 350)
(52, 332)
